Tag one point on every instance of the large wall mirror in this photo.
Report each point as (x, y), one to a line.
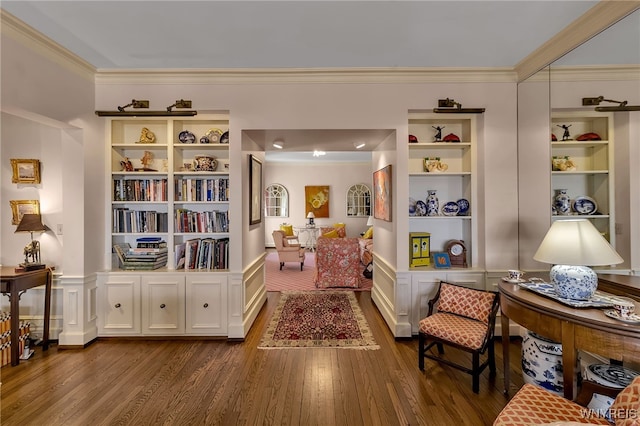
(604, 172)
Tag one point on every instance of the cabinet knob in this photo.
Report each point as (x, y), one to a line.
(206, 305)
(162, 306)
(118, 305)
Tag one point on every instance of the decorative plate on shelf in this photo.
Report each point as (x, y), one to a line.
(225, 137)
(450, 209)
(213, 135)
(584, 205)
(421, 208)
(186, 136)
(463, 206)
(412, 207)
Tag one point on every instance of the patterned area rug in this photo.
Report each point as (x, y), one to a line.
(313, 319)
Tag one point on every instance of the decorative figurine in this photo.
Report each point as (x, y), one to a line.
(434, 165)
(147, 136)
(126, 165)
(146, 161)
(32, 250)
(438, 136)
(565, 136)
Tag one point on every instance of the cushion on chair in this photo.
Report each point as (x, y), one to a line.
(331, 234)
(626, 408)
(533, 405)
(368, 234)
(288, 230)
(466, 302)
(455, 329)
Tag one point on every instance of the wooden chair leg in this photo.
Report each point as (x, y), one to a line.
(492, 358)
(476, 372)
(281, 265)
(301, 265)
(440, 348)
(421, 343)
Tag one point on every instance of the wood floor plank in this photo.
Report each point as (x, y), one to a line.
(215, 382)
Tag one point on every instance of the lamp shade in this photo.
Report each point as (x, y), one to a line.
(310, 215)
(576, 242)
(370, 221)
(30, 223)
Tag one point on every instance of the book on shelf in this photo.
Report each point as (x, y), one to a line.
(179, 255)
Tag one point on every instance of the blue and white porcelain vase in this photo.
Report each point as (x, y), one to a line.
(542, 362)
(433, 204)
(562, 202)
(574, 282)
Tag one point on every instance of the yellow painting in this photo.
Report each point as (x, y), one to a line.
(317, 200)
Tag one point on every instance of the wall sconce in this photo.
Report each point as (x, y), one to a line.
(31, 223)
(622, 105)
(141, 104)
(451, 106)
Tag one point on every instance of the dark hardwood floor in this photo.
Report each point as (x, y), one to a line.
(215, 382)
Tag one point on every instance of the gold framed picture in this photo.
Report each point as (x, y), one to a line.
(21, 207)
(25, 170)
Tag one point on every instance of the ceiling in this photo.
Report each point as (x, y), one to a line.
(298, 34)
(209, 34)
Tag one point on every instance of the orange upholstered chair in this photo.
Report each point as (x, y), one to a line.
(533, 405)
(463, 318)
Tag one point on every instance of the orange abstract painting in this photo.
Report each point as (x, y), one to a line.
(317, 200)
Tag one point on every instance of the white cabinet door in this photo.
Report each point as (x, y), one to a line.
(206, 302)
(163, 304)
(119, 307)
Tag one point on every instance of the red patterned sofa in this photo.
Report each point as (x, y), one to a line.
(337, 263)
(533, 405)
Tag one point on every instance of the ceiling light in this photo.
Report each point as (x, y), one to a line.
(318, 153)
(142, 104)
(278, 144)
(622, 105)
(359, 145)
(451, 106)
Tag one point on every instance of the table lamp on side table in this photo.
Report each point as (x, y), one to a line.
(569, 245)
(311, 223)
(31, 223)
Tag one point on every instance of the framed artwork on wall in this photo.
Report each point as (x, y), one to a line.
(255, 190)
(382, 193)
(316, 200)
(25, 171)
(21, 207)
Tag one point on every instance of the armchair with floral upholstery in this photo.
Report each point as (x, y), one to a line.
(337, 263)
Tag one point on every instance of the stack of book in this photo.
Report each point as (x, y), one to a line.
(150, 253)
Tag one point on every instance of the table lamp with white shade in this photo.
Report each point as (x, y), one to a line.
(311, 216)
(570, 245)
(370, 221)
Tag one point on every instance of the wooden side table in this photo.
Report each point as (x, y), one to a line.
(14, 284)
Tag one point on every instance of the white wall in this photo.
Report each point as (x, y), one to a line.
(338, 176)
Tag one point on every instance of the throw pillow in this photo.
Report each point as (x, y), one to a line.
(369, 234)
(341, 228)
(325, 229)
(331, 234)
(288, 230)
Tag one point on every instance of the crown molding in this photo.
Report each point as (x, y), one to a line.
(595, 73)
(24, 34)
(592, 22)
(306, 75)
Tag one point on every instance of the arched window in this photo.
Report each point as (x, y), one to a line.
(276, 201)
(359, 200)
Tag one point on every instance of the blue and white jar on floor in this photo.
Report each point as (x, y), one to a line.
(433, 204)
(562, 202)
(542, 362)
